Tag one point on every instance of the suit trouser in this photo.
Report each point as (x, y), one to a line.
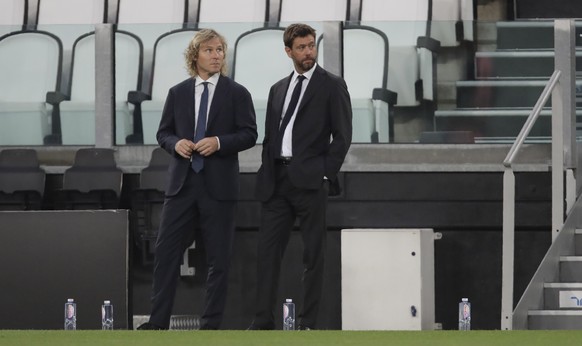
(179, 216)
(277, 219)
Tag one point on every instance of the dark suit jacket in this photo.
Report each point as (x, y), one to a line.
(231, 118)
(325, 110)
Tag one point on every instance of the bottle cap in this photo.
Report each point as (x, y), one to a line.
(464, 299)
(289, 300)
(106, 302)
(70, 300)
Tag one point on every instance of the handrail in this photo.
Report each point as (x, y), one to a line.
(531, 119)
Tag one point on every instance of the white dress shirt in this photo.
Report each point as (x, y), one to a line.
(198, 89)
(286, 145)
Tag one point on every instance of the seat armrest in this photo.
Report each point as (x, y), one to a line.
(388, 96)
(428, 43)
(55, 97)
(137, 97)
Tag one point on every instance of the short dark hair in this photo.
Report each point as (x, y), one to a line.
(296, 30)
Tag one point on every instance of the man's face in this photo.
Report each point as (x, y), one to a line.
(303, 53)
(210, 58)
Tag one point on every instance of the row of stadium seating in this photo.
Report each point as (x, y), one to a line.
(59, 92)
(93, 182)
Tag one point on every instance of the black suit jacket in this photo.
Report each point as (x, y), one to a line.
(231, 118)
(325, 110)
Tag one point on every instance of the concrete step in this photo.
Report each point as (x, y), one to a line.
(570, 268)
(554, 319)
(517, 64)
(529, 35)
(563, 296)
(495, 123)
(504, 93)
(492, 123)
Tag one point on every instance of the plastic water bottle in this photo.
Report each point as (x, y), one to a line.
(70, 315)
(107, 315)
(464, 314)
(289, 315)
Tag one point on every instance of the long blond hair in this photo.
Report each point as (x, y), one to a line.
(191, 53)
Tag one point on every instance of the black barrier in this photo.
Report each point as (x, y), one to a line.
(50, 256)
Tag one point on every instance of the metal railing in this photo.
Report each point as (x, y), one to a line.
(507, 265)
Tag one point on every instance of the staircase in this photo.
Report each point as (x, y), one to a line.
(507, 83)
(553, 298)
(562, 299)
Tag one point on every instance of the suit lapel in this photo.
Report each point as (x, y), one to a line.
(279, 101)
(314, 85)
(191, 106)
(280, 93)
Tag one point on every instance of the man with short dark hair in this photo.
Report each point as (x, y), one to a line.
(308, 131)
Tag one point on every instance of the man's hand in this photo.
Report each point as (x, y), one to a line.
(207, 146)
(184, 148)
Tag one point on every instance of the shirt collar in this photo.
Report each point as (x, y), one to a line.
(307, 74)
(212, 80)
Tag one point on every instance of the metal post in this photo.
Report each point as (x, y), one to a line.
(507, 261)
(565, 61)
(563, 118)
(334, 47)
(104, 86)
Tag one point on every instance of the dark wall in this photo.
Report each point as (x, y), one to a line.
(466, 207)
(48, 257)
(548, 9)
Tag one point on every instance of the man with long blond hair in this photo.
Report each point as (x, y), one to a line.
(207, 120)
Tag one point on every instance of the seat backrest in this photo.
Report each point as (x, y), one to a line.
(313, 10)
(401, 21)
(149, 19)
(238, 11)
(169, 66)
(242, 16)
(93, 169)
(151, 11)
(259, 76)
(364, 72)
(155, 175)
(12, 15)
(446, 14)
(69, 19)
(128, 66)
(20, 171)
(30, 66)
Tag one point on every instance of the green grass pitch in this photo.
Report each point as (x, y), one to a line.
(280, 338)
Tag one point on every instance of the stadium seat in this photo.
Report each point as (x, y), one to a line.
(366, 76)
(22, 180)
(258, 77)
(78, 113)
(12, 16)
(169, 69)
(147, 202)
(69, 19)
(242, 16)
(25, 112)
(149, 19)
(93, 182)
(412, 68)
(452, 21)
(313, 12)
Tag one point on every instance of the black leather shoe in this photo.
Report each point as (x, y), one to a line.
(149, 326)
(302, 327)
